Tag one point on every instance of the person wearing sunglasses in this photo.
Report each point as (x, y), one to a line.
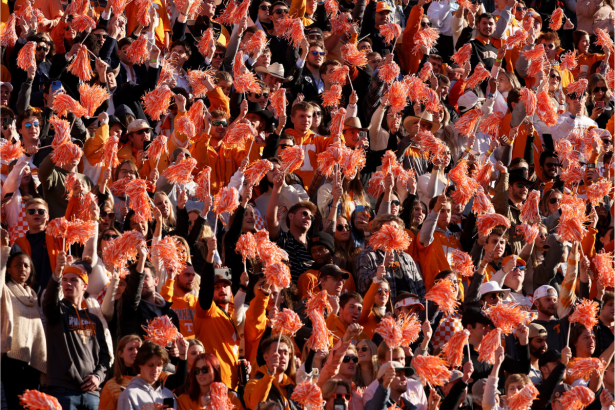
(549, 165)
(377, 303)
(336, 390)
(312, 83)
(599, 103)
(367, 369)
(263, 22)
(261, 98)
(29, 126)
(138, 133)
(576, 115)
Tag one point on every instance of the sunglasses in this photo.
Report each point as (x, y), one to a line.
(42, 48)
(522, 185)
(104, 214)
(306, 213)
(344, 396)
(39, 211)
(347, 359)
(218, 55)
(219, 123)
(203, 370)
(363, 349)
(499, 295)
(141, 132)
(383, 290)
(101, 35)
(266, 95)
(314, 37)
(318, 53)
(521, 8)
(553, 75)
(264, 8)
(521, 267)
(317, 114)
(424, 24)
(108, 236)
(603, 89)
(29, 125)
(395, 202)
(576, 97)
(341, 228)
(281, 11)
(284, 146)
(554, 201)
(550, 46)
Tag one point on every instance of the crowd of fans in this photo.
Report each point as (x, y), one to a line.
(511, 101)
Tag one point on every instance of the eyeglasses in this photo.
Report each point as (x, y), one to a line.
(347, 359)
(281, 11)
(39, 211)
(603, 89)
(554, 201)
(384, 290)
(576, 97)
(318, 53)
(29, 125)
(521, 8)
(218, 55)
(317, 114)
(425, 24)
(549, 46)
(341, 228)
(101, 35)
(344, 396)
(395, 202)
(522, 185)
(314, 37)
(264, 8)
(203, 370)
(499, 295)
(218, 123)
(306, 214)
(42, 48)
(141, 132)
(266, 95)
(363, 349)
(108, 236)
(104, 214)
(553, 75)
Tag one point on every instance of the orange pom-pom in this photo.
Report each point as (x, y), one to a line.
(433, 145)
(390, 32)
(390, 238)
(292, 158)
(118, 6)
(426, 71)
(528, 22)
(227, 15)
(482, 204)
(597, 191)
(219, 397)
(485, 223)
(523, 399)
(10, 152)
(546, 108)
(582, 368)
(410, 329)
(557, 19)
(167, 72)
(529, 210)
(376, 185)
(519, 38)
(136, 190)
(565, 151)
(444, 295)
(143, 11)
(122, 249)
(256, 44)
(227, 200)
(257, 170)
(332, 8)
(397, 96)
(81, 66)
(318, 302)
(340, 25)
(463, 193)
(353, 56)
(167, 251)
(487, 347)
(332, 97)
(161, 331)
(278, 101)
(27, 56)
(462, 263)
(604, 268)
(585, 313)
(63, 104)
(184, 125)
(195, 113)
(57, 227)
(568, 60)
(573, 175)
(238, 133)
(432, 370)
(529, 232)
(308, 394)
(462, 55)
(610, 80)
(390, 332)
(578, 87)
(35, 400)
(506, 317)
(577, 398)
(180, 173)
(339, 75)
(491, 124)
(467, 123)
(529, 100)
(286, 322)
(82, 23)
(157, 102)
(388, 162)
(427, 37)
(433, 100)
(465, 4)
(278, 274)
(536, 53)
(196, 78)
(319, 339)
(84, 212)
(536, 66)
(604, 40)
(337, 122)
(204, 44)
(80, 231)
(157, 147)
(8, 34)
(66, 153)
(479, 75)
(246, 246)
(241, 11)
(453, 349)
(244, 80)
(110, 148)
(118, 188)
(92, 97)
(203, 184)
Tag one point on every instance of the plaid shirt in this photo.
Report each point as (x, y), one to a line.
(367, 264)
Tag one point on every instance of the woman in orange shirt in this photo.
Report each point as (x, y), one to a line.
(125, 355)
(585, 59)
(376, 304)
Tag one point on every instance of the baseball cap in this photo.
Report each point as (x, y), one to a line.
(333, 270)
(491, 287)
(324, 239)
(545, 290)
(520, 262)
(382, 6)
(78, 270)
(478, 390)
(474, 315)
(113, 120)
(410, 300)
(7, 85)
(549, 356)
(537, 330)
(138, 125)
(559, 390)
(223, 275)
(467, 101)
(397, 366)
(455, 375)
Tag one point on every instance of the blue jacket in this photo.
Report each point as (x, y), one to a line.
(382, 400)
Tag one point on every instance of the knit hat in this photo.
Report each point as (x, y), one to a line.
(324, 239)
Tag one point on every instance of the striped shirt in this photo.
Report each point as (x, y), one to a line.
(300, 258)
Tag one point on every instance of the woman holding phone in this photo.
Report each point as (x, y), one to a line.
(599, 103)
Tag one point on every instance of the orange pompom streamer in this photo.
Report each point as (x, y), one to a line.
(319, 339)
(203, 184)
(257, 170)
(57, 227)
(426, 71)
(203, 45)
(66, 153)
(308, 394)
(444, 295)
(390, 32)
(529, 100)
(388, 162)
(157, 147)
(557, 19)
(397, 95)
(246, 246)
(529, 210)
(118, 188)
(332, 8)
(487, 347)
(227, 200)
(84, 212)
(238, 133)
(193, 10)
(69, 182)
(167, 250)
(523, 399)
(219, 397)
(582, 368)
(136, 190)
(196, 78)
(353, 56)
(110, 159)
(390, 239)
(610, 79)
(92, 97)
(227, 16)
(81, 66)
(332, 97)
(244, 80)
(479, 75)
(528, 22)
(466, 4)
(166, 72)
(433, 100)
(491, 124)
(278, 274)
(376, 185)
(519, 38)
(433, 145)
(184, 125)
(485, 223)
(157, 102)
(353, 163)
(546, 108)
(340, 25)
(585, 313)
(181, 173)
(80, 231)
(410, 329)
(565, 151)
(529, 232)
(462, 55)
(278, 101)
(62, 131)
(573, 175)
(604, 267)
(63, 104)
(27, 56)
(467, 123)
(8, 34)
(256, 44)
(568, 60)
(604, 40)
(536, 66)
(462, 263)
(536, 53)
(390, 332)
(577, 398)
(598, 190)
(241, 11)
(506, 317)
(427, 37)
(195, 113)
(10, 152)
(453, 349)
(482, 204)
(286, 322)
(83, 23)
(35, 400)
(161, 331)
(143, 7)
(292, 158)
(337, 122)
(294, 32)
(339, 75)
(578, 87)
(118, 6)
(318, 302)
(432, 370)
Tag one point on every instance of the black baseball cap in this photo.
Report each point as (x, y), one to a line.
(549, 356)
(559, 390)
(333, 270)
(474, 315)
(324, 239)
(113, 120)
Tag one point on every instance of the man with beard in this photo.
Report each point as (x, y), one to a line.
(545, 301)
(177, 291)
(549, 164)
(538, 346)
(44, 52)
(321, 246)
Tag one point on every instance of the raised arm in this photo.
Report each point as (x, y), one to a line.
(206, 291)
(272, 209)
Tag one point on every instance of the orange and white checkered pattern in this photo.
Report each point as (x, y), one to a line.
(448, 325)
(21, 227)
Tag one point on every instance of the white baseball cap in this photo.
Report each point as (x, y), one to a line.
(409, 301)
(467, 101)
(7, 85)
(545, 290)
(491, 287)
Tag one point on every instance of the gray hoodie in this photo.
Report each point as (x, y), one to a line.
(140, 395)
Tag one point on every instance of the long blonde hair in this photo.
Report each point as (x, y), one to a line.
(358, 377)
(170, 221)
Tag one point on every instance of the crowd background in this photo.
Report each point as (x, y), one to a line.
(133, 135)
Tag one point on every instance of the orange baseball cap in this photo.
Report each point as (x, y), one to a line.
(518, 260)
(382, 6)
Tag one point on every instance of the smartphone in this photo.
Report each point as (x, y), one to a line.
(169, 402)
(56, 86)
(360, 208)
(6, 122)
(591, 165)
(600, 104)
(339, 404)
(362, 135)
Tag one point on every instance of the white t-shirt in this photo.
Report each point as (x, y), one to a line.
(414, 394)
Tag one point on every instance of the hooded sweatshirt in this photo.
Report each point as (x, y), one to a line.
(140, 395)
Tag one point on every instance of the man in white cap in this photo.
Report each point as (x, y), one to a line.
(545, 301)
(393, 383)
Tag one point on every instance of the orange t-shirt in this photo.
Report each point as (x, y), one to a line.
(312, 145)
(434, 258)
